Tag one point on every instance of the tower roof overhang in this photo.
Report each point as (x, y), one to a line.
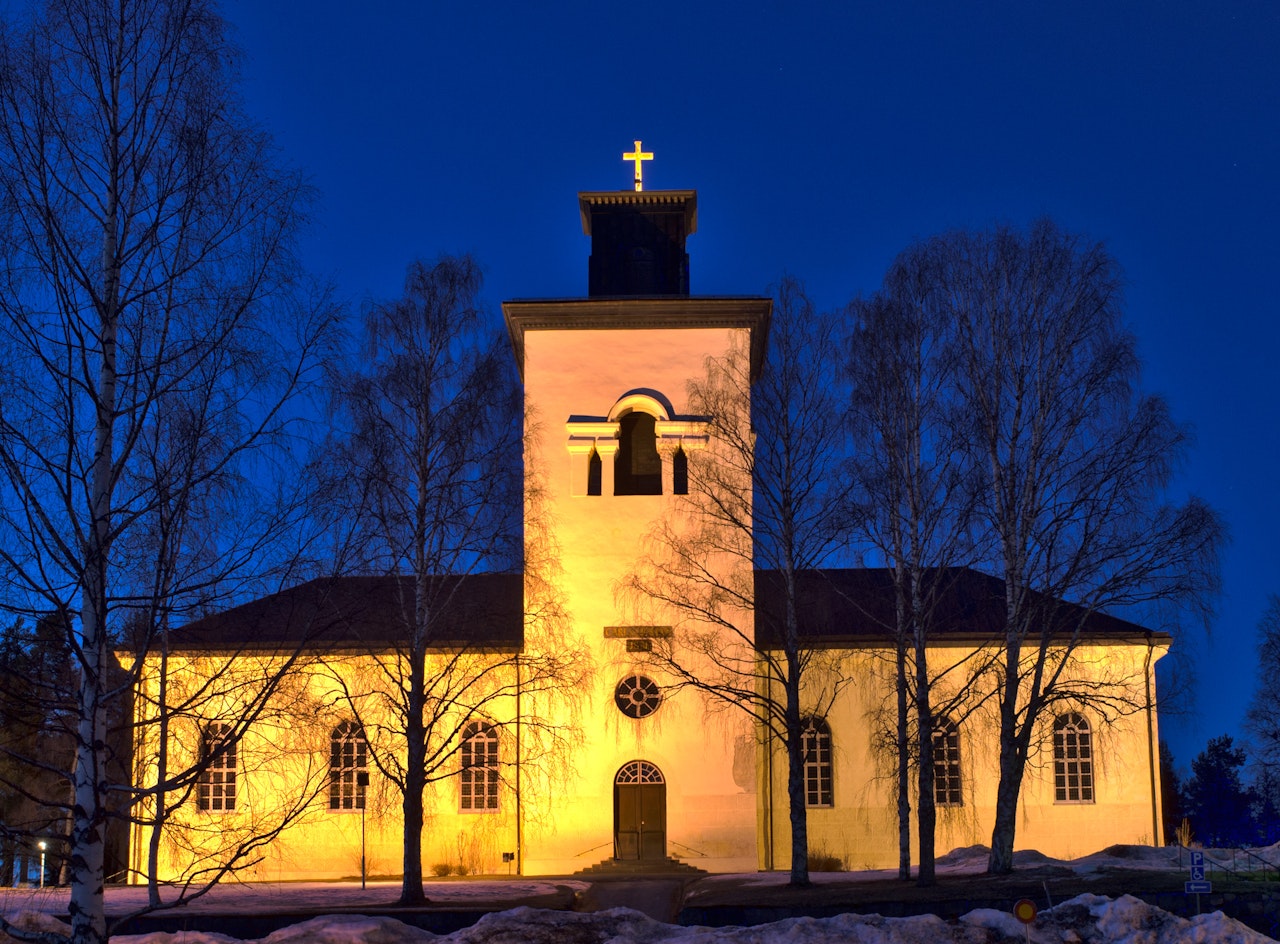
(686, 201)
(639, 312)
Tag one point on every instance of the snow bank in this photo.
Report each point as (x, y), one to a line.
(33, 921)
(1086, 919)
(343, 929)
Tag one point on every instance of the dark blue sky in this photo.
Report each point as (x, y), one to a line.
(822, 138)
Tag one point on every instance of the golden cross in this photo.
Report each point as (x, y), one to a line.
(636, 157)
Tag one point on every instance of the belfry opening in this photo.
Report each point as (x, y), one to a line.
(638, 467)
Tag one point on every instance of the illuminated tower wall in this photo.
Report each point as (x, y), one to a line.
(605, 388)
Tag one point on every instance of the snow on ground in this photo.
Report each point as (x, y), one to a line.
(1086, 919)
(972, 860)
(295, 896)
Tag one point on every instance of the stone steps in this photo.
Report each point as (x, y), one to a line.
(668, 866)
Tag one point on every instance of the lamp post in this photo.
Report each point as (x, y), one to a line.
(43, 845)
(362, 781)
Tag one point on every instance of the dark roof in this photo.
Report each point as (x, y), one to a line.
(483, 611)
(838, 607)
(852, 607)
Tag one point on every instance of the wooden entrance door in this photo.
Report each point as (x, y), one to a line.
(639, 812)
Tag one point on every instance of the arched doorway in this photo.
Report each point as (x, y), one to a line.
(639, 812)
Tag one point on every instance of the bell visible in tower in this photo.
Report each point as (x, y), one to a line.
(638, 237)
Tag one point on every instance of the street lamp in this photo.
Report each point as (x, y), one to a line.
(43, 845)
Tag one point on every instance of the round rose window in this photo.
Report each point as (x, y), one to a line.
(637, 696)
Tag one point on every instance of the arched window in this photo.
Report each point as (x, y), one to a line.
(815, 742)
(479, 780)
(638, 771)
(946, 763)
(348, 767)
(680, 472)
(637, 469)
(1072, 759)
(595, 473)
(216, 788)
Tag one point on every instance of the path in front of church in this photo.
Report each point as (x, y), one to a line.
(660, 899)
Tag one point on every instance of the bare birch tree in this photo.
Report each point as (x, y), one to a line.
(1075, 461)
(1260, 720)
(912, 492)
(432, 470)
(147, 258)
(767, 498)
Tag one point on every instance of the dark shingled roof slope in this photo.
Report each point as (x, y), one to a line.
(483, 611)
(855, 607)
(838, 608)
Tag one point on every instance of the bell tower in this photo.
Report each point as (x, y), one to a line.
(611, 437)
(638, 241)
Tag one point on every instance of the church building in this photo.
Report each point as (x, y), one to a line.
(626, 768)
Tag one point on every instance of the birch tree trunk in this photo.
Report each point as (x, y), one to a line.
(148, 257)
(926, 805)
(902, 740)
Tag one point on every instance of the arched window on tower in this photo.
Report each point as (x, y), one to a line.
(638, 467)
(680, 472)
(595, 473)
